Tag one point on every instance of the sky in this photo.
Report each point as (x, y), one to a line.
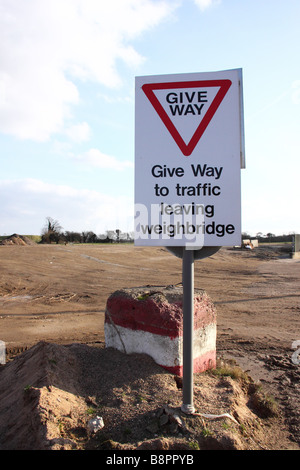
(67, 78)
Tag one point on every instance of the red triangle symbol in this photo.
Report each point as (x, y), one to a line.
(188, 148)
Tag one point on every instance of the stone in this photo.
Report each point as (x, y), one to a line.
(94, 425)
(149, 320)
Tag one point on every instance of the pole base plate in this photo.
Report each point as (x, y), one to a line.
(187, 409)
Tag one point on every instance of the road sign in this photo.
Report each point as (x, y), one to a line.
(189, 149)
(188, 155)
(185, 100)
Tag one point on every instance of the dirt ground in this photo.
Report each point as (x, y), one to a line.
(52, 305)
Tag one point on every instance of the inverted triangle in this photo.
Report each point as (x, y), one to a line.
(187, 148)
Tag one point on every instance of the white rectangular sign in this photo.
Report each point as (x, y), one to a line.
(189, 149)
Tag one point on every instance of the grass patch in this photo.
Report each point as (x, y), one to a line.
(229, 370)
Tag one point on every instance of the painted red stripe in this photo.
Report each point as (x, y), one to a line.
(201, 364)
(145, 315)
(158, 318)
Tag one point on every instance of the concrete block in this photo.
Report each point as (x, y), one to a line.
(296, 243)
(149, 320)
(2, 352)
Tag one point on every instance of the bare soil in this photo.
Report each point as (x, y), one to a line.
(59, 373)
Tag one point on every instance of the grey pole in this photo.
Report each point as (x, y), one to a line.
(188, 330)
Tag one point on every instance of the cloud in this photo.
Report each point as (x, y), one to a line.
(78, 132)
(95, 158)
(204, 4)
(27, 203)
(48, 46)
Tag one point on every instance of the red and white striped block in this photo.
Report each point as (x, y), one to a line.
(150, 321)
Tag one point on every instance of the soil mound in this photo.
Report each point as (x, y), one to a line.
(16, 239)
(49, 393)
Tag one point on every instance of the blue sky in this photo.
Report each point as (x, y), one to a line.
(67, 70)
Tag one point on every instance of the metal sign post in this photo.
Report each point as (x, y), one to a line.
(188, 330)
(189, 257)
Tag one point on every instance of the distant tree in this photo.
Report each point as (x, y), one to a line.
(110, 236)
(89, 237)
(270, 235)
(72, 237)
(245, 235)
(52, 231)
